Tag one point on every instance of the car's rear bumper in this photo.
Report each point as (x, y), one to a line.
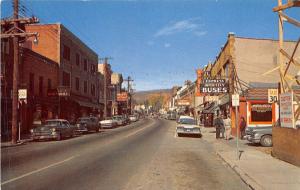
(188, 131)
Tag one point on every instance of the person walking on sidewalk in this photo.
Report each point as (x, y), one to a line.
(218, 125)
(227, 125)
(242, 127)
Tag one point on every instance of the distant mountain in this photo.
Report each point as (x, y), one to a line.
(141, 96)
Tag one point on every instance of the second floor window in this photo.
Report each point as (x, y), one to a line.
(31, 83)
(77, 83)
(85, 65)
(49, 84)
(85, 87)
(66, 53)
(66, 79)
(77, 59)
(41, 80)
(93, 89)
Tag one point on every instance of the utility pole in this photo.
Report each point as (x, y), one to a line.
(105, 73)
(15, 32)
(128, 80)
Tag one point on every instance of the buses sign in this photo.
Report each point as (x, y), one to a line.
(214, 86)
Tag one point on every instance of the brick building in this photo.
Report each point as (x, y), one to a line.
(77, 68)
(38, 75)
(106, 71)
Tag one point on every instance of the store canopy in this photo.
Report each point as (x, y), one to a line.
(210, 108)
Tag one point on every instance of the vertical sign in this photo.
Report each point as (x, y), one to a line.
(272, 95)
(286, 110)
(235, 99)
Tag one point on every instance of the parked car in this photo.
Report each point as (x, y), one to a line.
(133, 118)
(187, 125)
(120, 120)
(108, 123)
(87, 124)
(53, 129)
(261, 135)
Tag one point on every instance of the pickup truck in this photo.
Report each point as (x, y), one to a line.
(261, 135)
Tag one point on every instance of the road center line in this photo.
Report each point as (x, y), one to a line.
(137, 131)
(38, 170)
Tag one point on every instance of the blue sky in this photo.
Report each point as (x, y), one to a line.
(159, 43)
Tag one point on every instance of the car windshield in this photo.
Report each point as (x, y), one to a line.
(83, 120)
(51, 123)
(188, 121)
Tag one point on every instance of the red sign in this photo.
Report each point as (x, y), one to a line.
(52, 92)
(122, 97)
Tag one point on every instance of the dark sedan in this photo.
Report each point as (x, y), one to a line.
(53, 129)
(87, 124)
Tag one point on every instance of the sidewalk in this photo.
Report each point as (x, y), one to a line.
(259, 170)
(24, 139)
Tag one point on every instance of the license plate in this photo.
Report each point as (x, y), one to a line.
(188, 130)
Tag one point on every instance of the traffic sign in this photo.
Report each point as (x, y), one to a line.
(272, 95)
(235, 99)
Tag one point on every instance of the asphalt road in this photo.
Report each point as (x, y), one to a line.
(143, 155)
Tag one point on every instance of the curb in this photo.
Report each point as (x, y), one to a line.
(22, 142)
(243, 175)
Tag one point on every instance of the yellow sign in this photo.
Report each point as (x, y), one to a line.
(272, 95)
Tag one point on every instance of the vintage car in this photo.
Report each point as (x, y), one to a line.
(87, 124)
(108, 123)
(53, 129)
(187, 125)
(260, 135)
(121, 120)
(133, 118)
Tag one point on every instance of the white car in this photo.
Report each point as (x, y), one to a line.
(187, 125)
(108, 123)
(133, 118)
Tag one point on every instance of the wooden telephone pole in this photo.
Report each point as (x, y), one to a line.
(288, 78)
(128, 80)
(14, 30)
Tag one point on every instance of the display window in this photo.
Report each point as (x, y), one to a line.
(261, 113)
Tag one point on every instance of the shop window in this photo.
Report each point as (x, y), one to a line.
(261, 113)
(85, 87)
(66, 79)
(77, 83)
(66, 52)
(41, 79)
(31, 83)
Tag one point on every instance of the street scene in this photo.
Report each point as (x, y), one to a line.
(150, 95)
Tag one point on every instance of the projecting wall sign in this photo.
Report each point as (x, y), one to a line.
(214, 86)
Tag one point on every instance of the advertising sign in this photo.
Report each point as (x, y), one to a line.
(235, 99)
(122, 97)
(211, 98)
(218, 86)
(183, 102)
(22, 93)
(63, 91)
(286, 110)
(272, 95)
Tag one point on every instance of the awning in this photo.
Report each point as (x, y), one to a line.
(210, 108)
(87, 104)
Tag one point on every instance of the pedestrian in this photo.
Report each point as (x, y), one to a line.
(218, 126)
(222, 130)
(242, 127)
(227, 125)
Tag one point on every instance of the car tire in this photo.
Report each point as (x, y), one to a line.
(266, 141)
(59, 137)
(178, 135)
